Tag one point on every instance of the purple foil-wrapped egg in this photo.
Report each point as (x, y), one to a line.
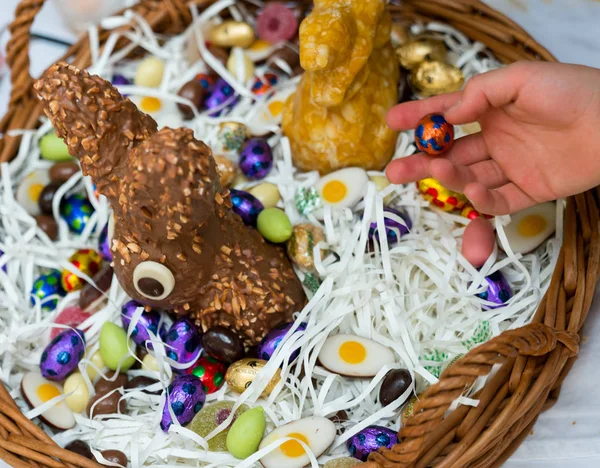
(271, 341)
(183, 343)
(369, 440)
(393, 229)
(498, 290)
(185, 396)
(61, 356)
(148, 322)
(256, 159)
(118, 80)
(222, 97)
(103, 245)
(246, 206)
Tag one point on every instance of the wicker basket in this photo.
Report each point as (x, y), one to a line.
(533, 360)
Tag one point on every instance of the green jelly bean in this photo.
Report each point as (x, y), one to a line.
(54, 148)
(274, 225)
(113, 347)
(246, 433)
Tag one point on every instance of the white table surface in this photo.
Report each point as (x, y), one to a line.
(569, 434)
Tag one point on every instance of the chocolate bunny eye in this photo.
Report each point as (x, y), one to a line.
(153, 280)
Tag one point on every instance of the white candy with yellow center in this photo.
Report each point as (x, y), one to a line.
(37, 391)
(528, 229)
(164, 111)
(343, 188)
(269, 113)
(29, 190)
(354, 356)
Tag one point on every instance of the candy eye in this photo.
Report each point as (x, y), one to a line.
(153, 280)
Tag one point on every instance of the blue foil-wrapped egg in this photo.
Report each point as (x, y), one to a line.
(61, 356)
(246, 206)
(148, 322)
(256, 159)
(393, 229)
(498, 291)
(45, 286)
(185, 396)
(76, 210)
(103, 245)
(369, 440)
(271, 341)
(222, 97)
(182, 342)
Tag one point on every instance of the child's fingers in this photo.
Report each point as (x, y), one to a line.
(467, 150)
(409, 169)
(504, 200)
(457, 177)
(406, 116)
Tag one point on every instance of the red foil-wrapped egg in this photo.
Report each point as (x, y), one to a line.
(440, 196)
(210, 372)
(434, 135)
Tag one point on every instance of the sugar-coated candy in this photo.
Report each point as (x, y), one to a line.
(149, 72)
(394, 384)
(246, 433)
(434, 135)
(478, 242)
(232, 135)
(273, 339)
(36, 390)
(414, 52)
(104, 245)
(185, 397)
(148, 322)
(71, 316)
(53, 148)
(45, 286)
(381, 182)
(436, 77)
(150, 363)
(274, 225)
(369, 440)
(29, 190)
(210, 417)
(223, 344)
(60, 358)
(76, 210)
(266, 193)
(47, 197)
(239, 65)
(183, 342)
(264, 84)
(194, 92)
(232, 33)
(394, 230)
(408, 409)
(114, 347)
(48, 225)
(95, 365)
(242, 373)
(440, 196)
(246, 206)
(276, 23)
(222, 96)
(307, 200)
(498, 291)
(256, 159)
(300, 247)
(80, 395)
(88, 262)
(210, 372)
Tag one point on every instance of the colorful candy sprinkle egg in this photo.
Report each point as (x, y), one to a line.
(232, 135)
(76, 210)
(434, 135)
(369, 440)
(256, 159)
(498, 291)
(148, 322)
(440, 196)
(88, 262)
(182, 342)
(61, 356)
(264, 84)
(273, 339)
(185, 398)
(210, 372)
(45, 286)
(246, 206)
(393, 229)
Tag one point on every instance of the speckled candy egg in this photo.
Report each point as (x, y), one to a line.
(393, 229)
(182, 343)
(76, 210)
(222, 97)
(300, 247)
(210, 371)
(87, 261)
(272, 340)
(256, 159)
(148, 322)
(45, 286)
(246, 206)
(498, 290)
(440, 196)
(103, 245)
(212, 416)
(434, 135)
(61, 356)
(369, 440)
(185, 396)
(232, 135)
(264, 84)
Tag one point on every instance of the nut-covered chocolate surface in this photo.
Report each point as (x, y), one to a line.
(176, 243)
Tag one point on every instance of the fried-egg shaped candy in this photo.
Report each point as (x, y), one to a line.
(63, 353)
(36, 390)
(369, 440)
(354, 356)
(498, 290)
(441, 197)
(185, 396)
(343, 188)
(87, 261)
(316, 432)
(29, 190)
(528, 229)
(164, 111)
(269, 113)
(434, 135)
(45, 286)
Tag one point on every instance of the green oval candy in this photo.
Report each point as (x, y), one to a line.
(113, 347)
(274, 225)
(54, 148)
(246, 433)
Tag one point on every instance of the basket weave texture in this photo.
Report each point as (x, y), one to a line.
(532, 361)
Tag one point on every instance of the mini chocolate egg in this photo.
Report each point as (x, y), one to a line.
(419, 50)
(441, 197)
(148, 322)
(232, 135)
(223, 344)
(45, 286)
(242, 373)
(185, 397)
(264, 84)
(29, 190)
(104, 245)
(498, 291)
(80, 448)
(164, 111)
(149, 72)
(433, 78)
(256, 159)
(434, 135)
(478, 242)
(276, 23)
(194, 92)
(354, 356)
(246, 206)
(273, 339)
(343, 188)
(222, 97)
(394, 230)
(528, 229)
(210, 417)
(183, 342)
(286, 58)
(227, 170)
(369, 440)
(93, 296)
(344, 462)
(47, 197)
(394, 384)
(210, 372)
(88, 262)
(316, 432)
(300, 247)
(239, 65)
(232, 33)
(36, 391)
(79, 393)
(63, 353)
(76, 210)
(115, 456)
(48, 225)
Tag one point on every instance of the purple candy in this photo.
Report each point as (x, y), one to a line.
(61, 356)
(369, 440)
(392, 228)
(256, 159)
(119, 80)
(183, 342)
(186, 397)
(246, 206)
(498, 290)
(103, 246)
(3, 266)
(271, 341)
(222, 97)
(148, 322)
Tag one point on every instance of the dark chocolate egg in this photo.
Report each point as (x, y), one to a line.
(222, 97)
(369, 440)
(46, 286)
(498, 291)
(195, 92)
(80, 448)
(61, 356)
(210, 372)
(393, 229)
(256, 159)
(115, 456)
(394, 384)
(104, 245)
(185, 397)
(183, 342)
(148, 322)
(223, 344)
(246, 206)
(47, 197)
(272, 340)
(76, 210)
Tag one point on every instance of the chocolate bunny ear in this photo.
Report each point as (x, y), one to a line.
(99, 125)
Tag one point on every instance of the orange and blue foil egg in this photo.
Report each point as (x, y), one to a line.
(434, 135)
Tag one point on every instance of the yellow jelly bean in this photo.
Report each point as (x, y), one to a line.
(150, 363)
(381, 182)
(80, 396)
(149, 73)
(267, 194)
(97, 361)
(239, 65)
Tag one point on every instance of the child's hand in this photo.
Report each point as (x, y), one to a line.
(540, 136)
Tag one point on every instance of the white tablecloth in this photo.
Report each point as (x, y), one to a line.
(569, 434)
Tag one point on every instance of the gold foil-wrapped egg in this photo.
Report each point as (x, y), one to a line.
(419, 50)
(436, 77)
(301, 245)
(242, 373)
(440, 196)
(227, 170)
(232, 33)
